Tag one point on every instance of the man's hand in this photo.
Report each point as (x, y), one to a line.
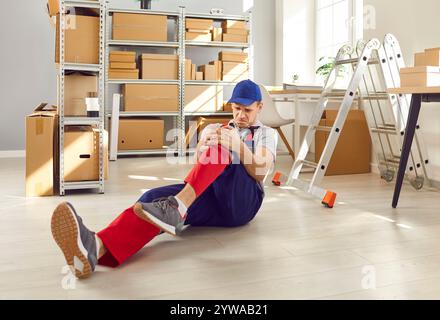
(230, 139)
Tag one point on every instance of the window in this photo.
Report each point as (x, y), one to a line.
(337, 23)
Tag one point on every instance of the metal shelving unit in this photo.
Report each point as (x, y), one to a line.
(180, 45)
(99, 70)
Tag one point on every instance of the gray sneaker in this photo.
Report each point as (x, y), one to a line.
(77, 243)
(163, 213)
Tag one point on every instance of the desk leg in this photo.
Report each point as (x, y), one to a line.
(413, 116)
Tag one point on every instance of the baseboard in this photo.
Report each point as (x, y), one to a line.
(12, 153)
(374, 168)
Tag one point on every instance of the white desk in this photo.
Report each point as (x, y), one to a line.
(304, 102)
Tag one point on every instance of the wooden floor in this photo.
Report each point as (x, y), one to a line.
(294, 249)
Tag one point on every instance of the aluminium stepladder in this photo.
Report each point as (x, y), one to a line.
(334, 88)
(386, 115)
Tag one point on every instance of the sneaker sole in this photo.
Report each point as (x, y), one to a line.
(65, 231)
(145, 215)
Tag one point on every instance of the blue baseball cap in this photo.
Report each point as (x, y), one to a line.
(245, 93)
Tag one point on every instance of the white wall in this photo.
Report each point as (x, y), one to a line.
(27, 56)
(417, 26)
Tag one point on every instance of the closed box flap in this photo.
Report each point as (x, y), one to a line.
(152, 56)
(44, 110)
(420, 69)
(352, 115)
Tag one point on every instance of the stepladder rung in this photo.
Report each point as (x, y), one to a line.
(323, 128)
(385, 130)
(309, 163)
(355, 61)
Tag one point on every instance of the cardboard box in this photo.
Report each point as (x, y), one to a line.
(41, 150)
(199, 75)
(218, 68)
(242, 32)
(151, 97)
(227, 37)
(234, 24)
(123, 74)
(352, 154)
(198, 36)
(419, 59)
(81, 154)
(53, 7)
(193, 71)
(233, 56)
(77, 85)
(199, 24)
(203, 98)
(123, 65)
(188, 69)
(160, 66)
(432, 57)
(209, 72)
(123, 56)
(140, 134)
(81, 40)
(139, 27)
(420, 77)
(216, 34)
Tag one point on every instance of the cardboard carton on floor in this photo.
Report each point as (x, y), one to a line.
(139, 27)
(203, 98)
(41, 149)
(140, 134)
(81, 39)
(420, 77)
(81, 154)
(77, 85)
(151, 97)
(352, 154)
(160, 66)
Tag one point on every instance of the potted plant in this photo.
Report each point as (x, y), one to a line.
(326, 66)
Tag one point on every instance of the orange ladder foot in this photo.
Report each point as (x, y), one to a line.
(329, 199)
(276, 180)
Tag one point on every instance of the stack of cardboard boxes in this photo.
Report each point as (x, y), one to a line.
(425, 73)
(123, 65)
(234, 65)
(81, 152)
(199, 29)
(235, 31)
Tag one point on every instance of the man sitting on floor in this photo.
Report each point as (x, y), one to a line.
(223, 189)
